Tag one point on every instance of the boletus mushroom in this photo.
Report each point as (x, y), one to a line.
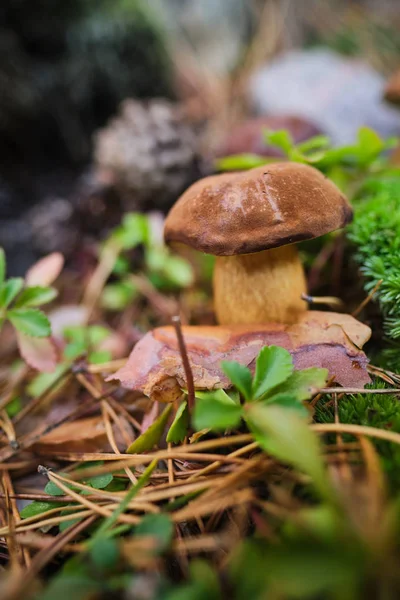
(251, 221)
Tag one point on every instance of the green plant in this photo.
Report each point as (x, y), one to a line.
(275, 383)
(19, 304)
(163, 269)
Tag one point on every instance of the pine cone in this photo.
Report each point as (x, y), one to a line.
(150, 152)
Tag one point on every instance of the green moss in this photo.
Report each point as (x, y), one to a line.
(371, 410)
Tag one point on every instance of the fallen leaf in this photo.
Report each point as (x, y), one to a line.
(320, 339)
(46, 270)
(84, 435)
(38, 353)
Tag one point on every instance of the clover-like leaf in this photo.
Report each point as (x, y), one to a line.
(240, 376)
(35, 296)
(37, 508)
(30, 321)
(217, 411)
(301, 384)
(273, 366)
(9, 290)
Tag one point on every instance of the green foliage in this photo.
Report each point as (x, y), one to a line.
(179, 426)
(343, 165)
(370, 410)
(84, 340)
(274, 383)
(158, 527)
(18, 305)
(30, 321)
(16, 302)
(163, 269)
(375, 234)
(203, 584)
(284, 434)
(37, 508)
(152, 435)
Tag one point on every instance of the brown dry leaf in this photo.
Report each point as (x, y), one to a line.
(85, 435)
(39, 353)
(319, 339)
(46, 270)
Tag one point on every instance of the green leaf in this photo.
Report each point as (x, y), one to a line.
(14, 406)
(281, 138)
(285, 435)
(133, 231)
(152, 435)
(128, 497)
(204, 584)
(370, 144)
(97, 334)
(37, 508)
(39, 384)
(216, 411)
(178, 271)
(9, 290)
(158, 526)
(240, 376)
(2, 266)
(97, 357)
(105, 554)
(290, 402)
(65, 587)
(273, 366)
(100, 481)
(64, 525)
(231, 395)
(301, 569)
(179, 427)
(117, 296)
(35, 296)
(30, 321)
(302, 384)
(240, 162)
(52, 489)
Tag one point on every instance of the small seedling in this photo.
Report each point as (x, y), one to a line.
(19, 304)
(274, 383)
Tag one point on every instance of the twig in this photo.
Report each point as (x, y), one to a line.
(367, 300)
(331, 301)
(185, 360)
(349, 390)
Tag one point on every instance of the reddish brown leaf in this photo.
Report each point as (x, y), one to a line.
(46, 270)
(319, 339)
(39, 353)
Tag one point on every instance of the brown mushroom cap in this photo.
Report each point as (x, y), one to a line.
(267, 207)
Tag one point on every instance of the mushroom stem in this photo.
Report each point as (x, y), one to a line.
(264, 287)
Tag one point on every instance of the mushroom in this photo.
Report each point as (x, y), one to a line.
(250, 221)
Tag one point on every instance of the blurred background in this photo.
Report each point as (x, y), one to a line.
(111, 106)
